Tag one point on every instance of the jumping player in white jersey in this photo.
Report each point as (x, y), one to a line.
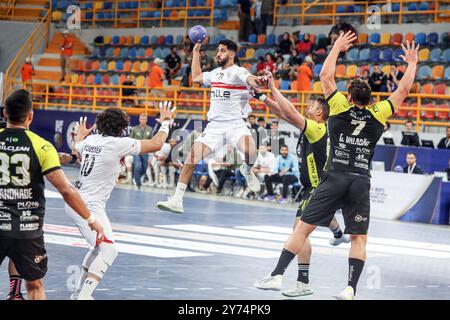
(100, 156)
(230, 97)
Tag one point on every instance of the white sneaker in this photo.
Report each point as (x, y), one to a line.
(302, 289)
(346, 294)
(270, 283)
(74, 296)
(213, 176)
(171, 204)
(337, 241)
(240, 193)
(252, 180)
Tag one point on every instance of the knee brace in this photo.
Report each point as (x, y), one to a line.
(106, 254)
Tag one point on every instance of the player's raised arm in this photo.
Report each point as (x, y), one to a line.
(156, 143)
(197, 74)
(410, 56)
(342, 43)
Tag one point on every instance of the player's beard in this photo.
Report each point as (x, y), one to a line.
(222, 62)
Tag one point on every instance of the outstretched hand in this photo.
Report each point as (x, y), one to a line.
(82, 130)
(269, 79)
(165, 112)
(345, 41)
(410, 54)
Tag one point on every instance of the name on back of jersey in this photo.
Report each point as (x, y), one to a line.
(361, 142)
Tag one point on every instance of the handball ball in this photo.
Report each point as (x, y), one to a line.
(197, 33)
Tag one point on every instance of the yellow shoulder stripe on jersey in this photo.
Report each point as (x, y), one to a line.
(382, 110)
(46, 153)
(314, 131)
(312, 170)
(338, 103)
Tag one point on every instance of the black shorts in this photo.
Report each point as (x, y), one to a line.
(337, 190)
(29, 256)
(305, 196)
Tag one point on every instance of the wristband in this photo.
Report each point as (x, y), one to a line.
(74, 158)
(260, 96)
(91, 219)
(164, 126)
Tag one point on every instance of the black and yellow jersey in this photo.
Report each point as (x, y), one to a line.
(311, 152)
(24, 160)
(353, 133)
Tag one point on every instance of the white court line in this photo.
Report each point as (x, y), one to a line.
(129, 289)
(180, 289)
(154, 289)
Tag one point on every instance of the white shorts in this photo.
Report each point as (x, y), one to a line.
(217, 134)
(83, 226)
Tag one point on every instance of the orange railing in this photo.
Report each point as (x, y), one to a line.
(37, 39)
(303, 10)
(137, 17)
(11, 12)
(195, 101)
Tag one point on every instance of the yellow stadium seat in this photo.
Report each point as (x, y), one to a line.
(140, 81)
(386, 69)
(137, 39)
(56, 16)
(385, 39)
(317, 86)
(98, 5)
(144, 66)
(74, 78)
(424, 54)
(111, 66)
(250, 53)
(182, 14)
(351, 71)
(107, 39)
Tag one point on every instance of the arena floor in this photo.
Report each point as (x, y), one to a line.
(221, 245)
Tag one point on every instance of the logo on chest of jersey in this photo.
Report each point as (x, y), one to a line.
(5, 216)
(361, 158)
(219, 94)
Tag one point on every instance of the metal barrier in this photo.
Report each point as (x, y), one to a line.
(8, 11)
(195, 101)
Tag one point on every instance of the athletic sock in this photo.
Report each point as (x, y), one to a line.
(303, 272)
(15, 283)
(82, 279)
(246, 168)
(337, 232)
(180, 190)
(285, 258)
(355, 267)
(88, 288)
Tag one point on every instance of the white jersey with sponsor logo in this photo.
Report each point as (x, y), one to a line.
(229, 93)
(100, 165)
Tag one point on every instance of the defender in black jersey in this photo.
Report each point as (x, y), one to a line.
(355, 125)
(311, 152)
(25, 158)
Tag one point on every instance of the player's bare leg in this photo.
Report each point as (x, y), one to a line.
(35, 290)
(356, 260)
(175, 203)
(15, 282)
(339, 236)
(292, 247)
(246, 145)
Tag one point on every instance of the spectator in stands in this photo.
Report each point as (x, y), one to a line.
(260, 66)
(273, 140)
(387, 131)
(262, 123)
(267, 8)
(279, 63)
(305, 74)
(245, 26)
(411, 165)
(163, 161)
(305, 46)
(285, 171)
(157, 77)
(365, 75)
(410, 138)
(129, 92)
(66, 52)
(284, 73)
(257, 17)
(173, 64)
(27, 73)
(269, 63)
(340, 26)
(377, 80)
(295, 59)
(445, 142)
(286, 45)
(206, 62)
(140, 132)
(254, 128)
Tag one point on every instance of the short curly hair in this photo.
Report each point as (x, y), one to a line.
(112, 122)
(360, 92)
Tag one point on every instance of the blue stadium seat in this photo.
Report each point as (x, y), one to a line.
(217, 14)
(271, 39)
(424, 72)
(317, 69)
(132, 53)
(435, 54)
(341, 85)
(169, 4)
(154, 40)
(217, 3)
(253, 69)
(193, 3)
(421, 38)
(169, 39)
(201, 3)
(122, 5)
(446, 55)
(167, 13)
(340, 9)
(447, 73)
(145, 40)
(156, 14)
(176, 3)
(100, 15)
(412, 6)
(115, 40)
(364, 54)
(158, 52)
(103, 66)
(387, 55)
(252, 38)
(98, 78)
(62, 5)
(96, 52)
(115, 80)
(140, 52)
(424, 6)
(179, 39)
(320, 36)
(109, 52)
(374, 38)
(124, 53)
(224, 15)
(103, 51)
(374, 55)
(107, 5)
(241, 53)
(119, 65)
(165, 52)
(214, 40)
(259, 53)
(432, 38)
(89, 16)
(395, 7)
(352, 54)
(397, 53)
(134, 5)
(109, 15)
(285, 85)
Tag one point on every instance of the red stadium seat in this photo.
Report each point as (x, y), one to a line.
(413, 113)
(402, 113)
(396, 39)
(445, 113)
(440, 88)
(428, 114)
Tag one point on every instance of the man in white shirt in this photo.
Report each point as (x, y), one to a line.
(100, 156)
(264, 163)
(230, 97)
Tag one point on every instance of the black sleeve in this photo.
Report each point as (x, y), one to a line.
(441, 144)
(418, 170)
